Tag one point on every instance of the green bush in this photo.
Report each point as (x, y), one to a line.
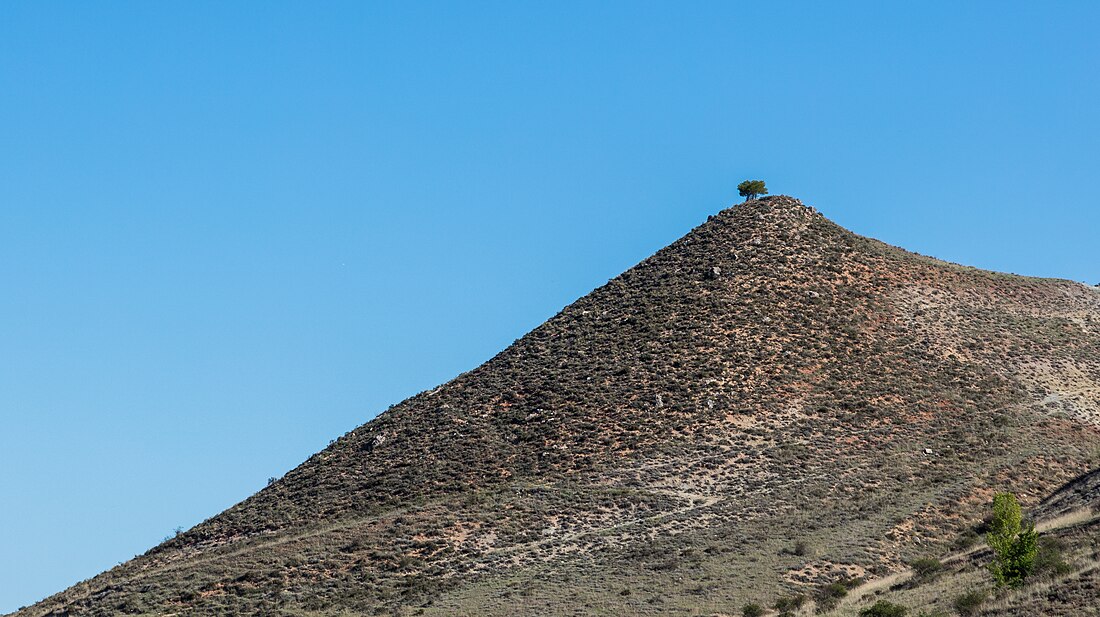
(1050, 559)
(965, 540)
(752, 610)
(828, 596)
(926, 569)
(882, 608)
(788, 605)
(968, 603)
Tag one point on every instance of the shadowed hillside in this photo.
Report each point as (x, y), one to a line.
(769, 404)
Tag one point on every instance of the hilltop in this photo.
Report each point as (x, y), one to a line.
(769, 404)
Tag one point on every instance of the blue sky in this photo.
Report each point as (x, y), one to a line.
(230, 232)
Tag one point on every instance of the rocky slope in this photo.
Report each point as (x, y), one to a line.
(769, 404)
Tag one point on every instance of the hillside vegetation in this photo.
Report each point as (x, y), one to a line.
(769, 405)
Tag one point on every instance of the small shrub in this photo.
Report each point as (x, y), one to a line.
(802, 548)
(882, 608)
(1050, 559)
(966, 540)
(852, 583)
(790, 604)
(752, 610)
(926, 569)
(828, 596)
(968, 603)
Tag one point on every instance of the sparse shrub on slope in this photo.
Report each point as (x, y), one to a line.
(882, 608)
(968, 603)
(802, 548)
(788, 605)
(926, 569)
(828, 596)
(1050, 559)
(752, 610)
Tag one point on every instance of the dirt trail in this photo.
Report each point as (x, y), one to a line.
(695, 501)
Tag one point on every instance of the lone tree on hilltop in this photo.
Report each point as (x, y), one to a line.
(750, 189)
(1014, 544)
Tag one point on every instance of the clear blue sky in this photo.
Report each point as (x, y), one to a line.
(232, 232)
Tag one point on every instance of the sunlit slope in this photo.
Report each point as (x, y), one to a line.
(769, 403)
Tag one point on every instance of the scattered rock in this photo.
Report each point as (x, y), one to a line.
(375, 442)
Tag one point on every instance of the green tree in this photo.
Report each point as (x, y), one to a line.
(750, 189)
(1014, 544)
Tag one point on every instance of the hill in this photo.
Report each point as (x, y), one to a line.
(768, 405)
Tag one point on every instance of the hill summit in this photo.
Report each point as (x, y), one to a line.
(770, 404)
